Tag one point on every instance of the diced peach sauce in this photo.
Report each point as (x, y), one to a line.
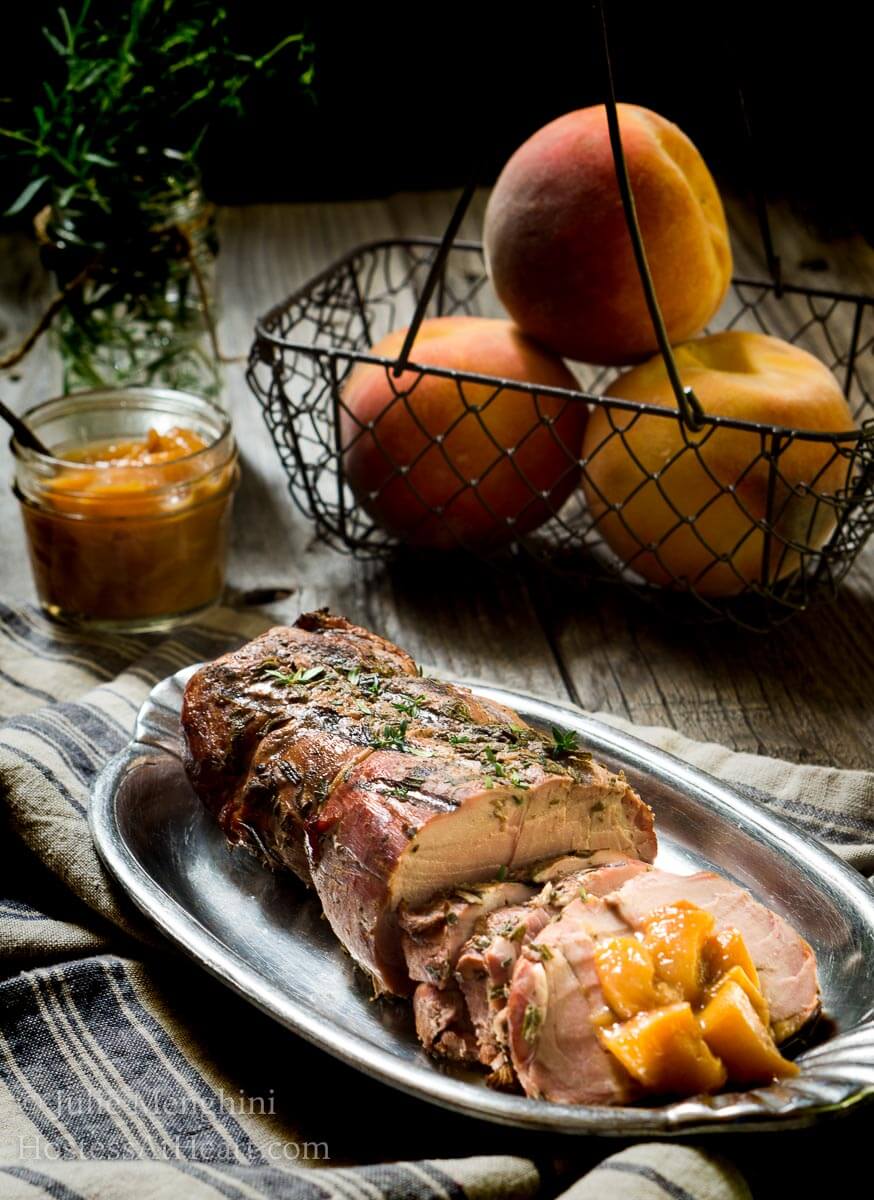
(689, 1012)
(734, 1030)
(675, 938)
(137, 529)
(727, 949)
(627, 974)
(663, 1049)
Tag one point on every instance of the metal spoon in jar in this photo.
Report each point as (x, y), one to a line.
(24, 435)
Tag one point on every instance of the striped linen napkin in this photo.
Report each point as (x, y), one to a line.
(125, 1071)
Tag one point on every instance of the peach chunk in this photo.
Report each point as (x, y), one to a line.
(665, 1051)
(739, 976)
(726, 949)
(675, 938)
(627, 974)
(733, 1030)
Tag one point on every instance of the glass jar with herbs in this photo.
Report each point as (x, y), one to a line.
(106, 155)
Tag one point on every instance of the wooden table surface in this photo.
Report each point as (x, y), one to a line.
(805, 692)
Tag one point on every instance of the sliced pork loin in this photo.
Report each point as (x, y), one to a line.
(783, 959)
(443, 1024)
(485, 966)
(555, 1001)
(322, 749)
(554, 1009)
(400, 827)
(432, 936)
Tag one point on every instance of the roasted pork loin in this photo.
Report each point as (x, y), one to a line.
(321, 748)
(459, 855)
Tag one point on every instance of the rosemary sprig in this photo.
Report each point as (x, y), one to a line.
(302, 675)
(127, 81)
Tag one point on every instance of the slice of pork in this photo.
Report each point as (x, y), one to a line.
(554, 1008)
(485, 965)
(399, 828)
(434, 934)
(783, 959)
(442, 1023)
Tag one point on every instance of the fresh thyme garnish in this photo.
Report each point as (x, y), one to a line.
(393, 736)
(531, 1023)
(457, 739)
(371, 685)
(492, 761)
(544, 952)
(353, 675)
(562, 743)
(309, 675)
(502, 874)
(409, 707)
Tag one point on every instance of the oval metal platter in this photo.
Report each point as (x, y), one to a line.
(262, 935)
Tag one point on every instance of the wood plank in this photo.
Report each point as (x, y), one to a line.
(790, 694)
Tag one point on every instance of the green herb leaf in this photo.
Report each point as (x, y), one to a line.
(26, 196)
(300, 676)
(531, 1023)
(562, 743)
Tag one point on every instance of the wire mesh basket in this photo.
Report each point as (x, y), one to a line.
(797, 539)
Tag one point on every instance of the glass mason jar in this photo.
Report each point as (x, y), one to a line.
(140, 309)
(119, 536)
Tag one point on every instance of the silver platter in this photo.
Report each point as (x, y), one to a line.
(261, 933)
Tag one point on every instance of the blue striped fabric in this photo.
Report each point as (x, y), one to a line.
(124, 1071)
(104, 1088)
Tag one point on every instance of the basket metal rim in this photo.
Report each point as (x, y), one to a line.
(264, 335)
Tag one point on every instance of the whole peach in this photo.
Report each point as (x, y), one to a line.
(558, 248)
(683, 508)
(442, 462)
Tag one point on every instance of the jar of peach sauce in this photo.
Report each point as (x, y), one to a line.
(127, 518)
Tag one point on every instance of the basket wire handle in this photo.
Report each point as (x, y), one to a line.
(688, 403)
(434, 273)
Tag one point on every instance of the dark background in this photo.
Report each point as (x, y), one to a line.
(408, 98)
